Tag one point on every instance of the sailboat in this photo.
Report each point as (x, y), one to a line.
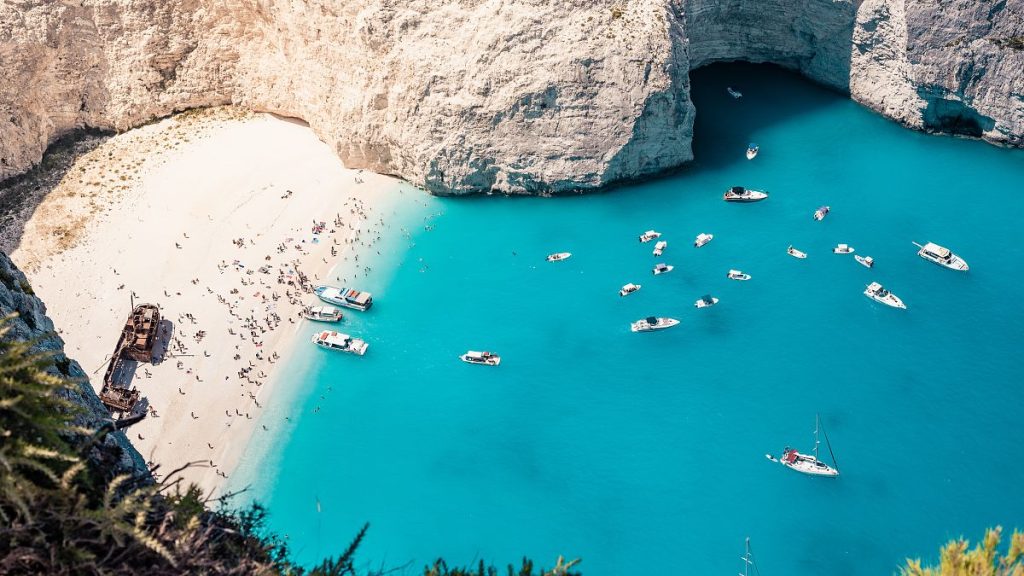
(805, 463)
(748, 561)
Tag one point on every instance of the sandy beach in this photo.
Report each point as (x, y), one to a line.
(224, 219)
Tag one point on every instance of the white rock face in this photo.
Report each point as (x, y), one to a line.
(531, 96)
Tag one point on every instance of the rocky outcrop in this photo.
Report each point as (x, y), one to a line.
(115, 454)
(479, 95)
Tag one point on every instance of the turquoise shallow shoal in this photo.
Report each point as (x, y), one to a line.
(639, 451)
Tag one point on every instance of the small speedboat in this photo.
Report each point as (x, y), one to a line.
(652, 323)
(876, 292)
(660, 247)
(557, 257)
(752, 150)
(706, 301)
(332, 340)
(843, 249)
(649, 235)
(482, 358)
(734, 93)
(737, 275)
(741, 194)
(941, 256)
(866, 261)
(703, 239)
(821, 212)
(321, 313)
(661, 269)
(629, 289)
(795, 253)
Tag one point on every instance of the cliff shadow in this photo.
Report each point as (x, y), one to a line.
(21, 195)
(771, 95)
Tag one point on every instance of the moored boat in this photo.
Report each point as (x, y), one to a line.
(321, 313)
(741, 194)
(752, 150)
(808, 463)
(661, 268)
(482, 358)
(734, 93)
(331, 340)
(866, 261)
(629, 289)
(706, 301)
(942, 256)
(795, 253)
(659, 248)
(879, 294)
(737, 275)
(652, 323)
(559, 256)
(821, 212)
(649, 235)
(702, 239)
(843, 249)
(346, 297)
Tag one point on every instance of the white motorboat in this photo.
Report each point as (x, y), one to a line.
(321, 313)
(706, 301)
(843, 249)
(821, 212)
(482, 358)
(808, 463)
(734, 93)
(659, 248)
(876, 292)
(703, 239)
(661, 269)
(346, 297)
(332, 340)
(557, 257)
(866, 261)
(737, 275)
(629, 289)
(741, 194)
(795, 253)
(652, 323)
(752, 150)
(649, 235)
(941, 256)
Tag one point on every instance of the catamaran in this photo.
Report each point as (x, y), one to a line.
(876, 292)
(629, 289)
(321, 313)
(482, 358)
(806, 463)
(346, 297)
(659, 248)
(741, 194)
(752, 150)
(331, 340)
(795, 253)
(941, 256)
(652, 323)
(649, 235)
(559, 256)
(703, 239)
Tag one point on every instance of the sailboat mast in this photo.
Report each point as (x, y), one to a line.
(817, 424)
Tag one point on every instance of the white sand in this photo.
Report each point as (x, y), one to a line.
(198, 181)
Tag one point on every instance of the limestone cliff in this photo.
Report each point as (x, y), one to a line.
(477, 95)
(116, 454)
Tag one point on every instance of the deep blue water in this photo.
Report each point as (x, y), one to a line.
(647, 450)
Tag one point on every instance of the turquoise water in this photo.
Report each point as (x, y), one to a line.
(647, 450)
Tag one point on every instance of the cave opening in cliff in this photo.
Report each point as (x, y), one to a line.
(768, 95)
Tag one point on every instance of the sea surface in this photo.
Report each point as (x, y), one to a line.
(646, 452)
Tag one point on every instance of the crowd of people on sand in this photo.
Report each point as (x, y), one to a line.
(255, 309)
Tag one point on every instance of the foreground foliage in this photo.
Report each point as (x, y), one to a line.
(983, 560)
(61, 513)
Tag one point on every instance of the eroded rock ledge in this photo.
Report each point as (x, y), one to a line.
(530, 96)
